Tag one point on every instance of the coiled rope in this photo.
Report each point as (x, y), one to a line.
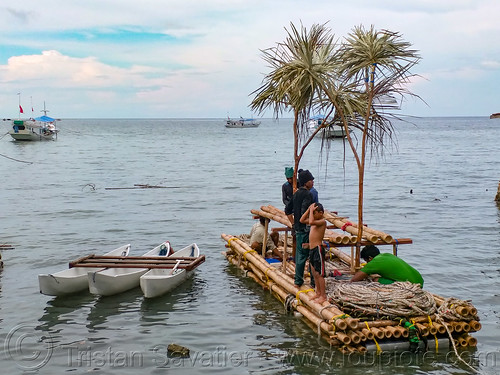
(400, 299)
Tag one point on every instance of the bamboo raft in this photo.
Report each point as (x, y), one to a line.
(449, 321)
(103, 261)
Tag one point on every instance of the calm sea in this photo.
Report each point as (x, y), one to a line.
(436, 187)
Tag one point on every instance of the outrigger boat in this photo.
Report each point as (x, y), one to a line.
(42, 128)
(39, 129)
(158, 281)
(72, 280)
(242, 123)
(116, 280)
(331, 131)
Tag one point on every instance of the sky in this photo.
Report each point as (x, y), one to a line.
(203, 59)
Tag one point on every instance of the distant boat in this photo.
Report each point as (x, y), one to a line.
(331, 131)
(42, 128)
(242, 123)
(495, 115)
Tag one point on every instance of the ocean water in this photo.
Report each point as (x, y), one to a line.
(436, 187)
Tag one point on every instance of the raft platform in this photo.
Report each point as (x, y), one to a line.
(361, 316)
(187, 263)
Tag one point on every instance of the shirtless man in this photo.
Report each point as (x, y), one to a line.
(314, 217)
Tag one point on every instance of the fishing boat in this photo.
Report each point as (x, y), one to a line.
(109, 281)
(495, 115)
(242, 123)
(331, 131)
(41, 128)
(158, 281)
(72, 280)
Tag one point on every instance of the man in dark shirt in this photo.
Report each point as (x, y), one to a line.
(299, 204)
(286, 188)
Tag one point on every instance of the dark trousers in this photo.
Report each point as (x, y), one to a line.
(301, 256)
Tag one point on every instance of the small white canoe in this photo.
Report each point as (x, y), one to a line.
(109, 281)
(74, 279)
(158, 281)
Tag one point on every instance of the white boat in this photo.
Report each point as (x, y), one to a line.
(39, 129)
(242, 123)
(158, 281)
(42, 128)
(116, 280)
(73, 279)
(332, 131)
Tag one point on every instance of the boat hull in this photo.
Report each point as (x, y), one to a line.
(110, 281)
(72, 280)
(29, 130)
(242, 123)
(157, 282)
(332, 131)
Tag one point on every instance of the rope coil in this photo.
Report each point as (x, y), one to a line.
(400, 299)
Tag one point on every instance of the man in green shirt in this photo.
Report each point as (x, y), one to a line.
(388, 266)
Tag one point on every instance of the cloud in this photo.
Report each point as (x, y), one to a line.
(203, 58)
(490, 64)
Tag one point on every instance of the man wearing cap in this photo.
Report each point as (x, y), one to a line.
(313, 191)
(297, 206)
(287, 188)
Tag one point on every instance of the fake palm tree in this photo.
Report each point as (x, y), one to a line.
(378, 63)
(356, 82)
(298, 66)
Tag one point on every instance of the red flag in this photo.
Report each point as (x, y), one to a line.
(20, 109)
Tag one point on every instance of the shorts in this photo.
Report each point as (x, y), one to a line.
(317, 259)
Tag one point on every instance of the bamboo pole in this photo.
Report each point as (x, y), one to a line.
(423, 329)
(341, 224)
(278, 218)
(325, 327)
(355, 337)
(264, 241)
(341, 255)
(471, 341)
(379, 333)
(394, 332)
(285, 252)
(462, 341)
(369, 233)
(404, 332)
(368, 334)
(339, 238)
(344, 338)
(474, 325)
